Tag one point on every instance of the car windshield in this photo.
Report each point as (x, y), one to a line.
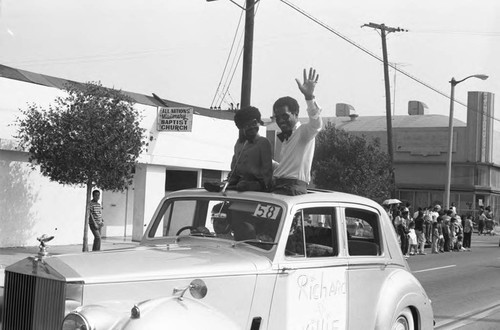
(253, 222)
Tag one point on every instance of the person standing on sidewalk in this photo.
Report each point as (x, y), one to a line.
(419, 230)
(468, 228)
(293, 173)
(95, 219)
(481, 222)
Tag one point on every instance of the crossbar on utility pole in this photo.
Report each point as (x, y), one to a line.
(384, 30)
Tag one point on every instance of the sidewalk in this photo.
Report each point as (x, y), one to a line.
(11, 255)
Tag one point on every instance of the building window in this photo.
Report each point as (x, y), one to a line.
(210, 175)
(177, 180)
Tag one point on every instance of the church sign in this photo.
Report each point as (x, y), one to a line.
(174, 119)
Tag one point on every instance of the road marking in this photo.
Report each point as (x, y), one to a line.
(467, 318)
(436, 268)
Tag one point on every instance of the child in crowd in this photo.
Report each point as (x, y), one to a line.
(412, 238)
(435, 237)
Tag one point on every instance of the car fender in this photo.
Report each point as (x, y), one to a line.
(177, 313)
(401, 290)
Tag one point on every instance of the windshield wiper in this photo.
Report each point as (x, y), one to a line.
(253, 240)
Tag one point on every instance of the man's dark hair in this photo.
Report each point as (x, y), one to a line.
(246, 114)
(290, 102)
(95, 192)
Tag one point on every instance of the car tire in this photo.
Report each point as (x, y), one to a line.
(404, 321)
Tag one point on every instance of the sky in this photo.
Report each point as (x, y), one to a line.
(179, 49)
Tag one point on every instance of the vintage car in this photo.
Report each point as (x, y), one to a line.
(231, 260)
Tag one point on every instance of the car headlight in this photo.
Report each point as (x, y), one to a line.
(75, 321)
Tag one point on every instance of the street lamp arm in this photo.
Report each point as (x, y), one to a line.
(480, 76)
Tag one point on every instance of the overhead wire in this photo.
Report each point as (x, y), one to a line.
(236, 61)
(365, 50)
(227, 59)
(232, 70)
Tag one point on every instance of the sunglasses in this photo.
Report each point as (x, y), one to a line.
(283, 116)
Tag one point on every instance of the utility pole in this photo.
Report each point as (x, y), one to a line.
(384, 30)
(246, 79)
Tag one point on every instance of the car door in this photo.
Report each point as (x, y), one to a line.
(311, 289)
(368, 260)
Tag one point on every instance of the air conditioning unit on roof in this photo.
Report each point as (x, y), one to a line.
(417, 108)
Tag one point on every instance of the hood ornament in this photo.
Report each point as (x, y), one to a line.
(43, 246)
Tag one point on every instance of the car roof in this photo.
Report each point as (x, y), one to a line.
(313, 195)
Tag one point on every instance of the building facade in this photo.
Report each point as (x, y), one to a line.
(32, 205)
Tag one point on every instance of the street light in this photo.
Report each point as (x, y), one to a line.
(453, 83)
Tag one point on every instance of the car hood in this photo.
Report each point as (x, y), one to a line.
(146, 263)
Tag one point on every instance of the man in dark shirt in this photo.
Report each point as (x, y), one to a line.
(419, 230)
(251, 166)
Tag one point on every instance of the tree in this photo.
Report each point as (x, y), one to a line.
(91, 137)
(348, 163)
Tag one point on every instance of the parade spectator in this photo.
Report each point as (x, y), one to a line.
(428, 225)
(453, 208)
(446, 230)
(388, 209)
(419, 230)
(454, 230)
(489, 225)
(468, 228)
(412, 239)
(401, 231)
(293, 172)
(404, 229)
(439, 224)
(407, 208)
(435, 238)
(460, 236)
(96, 221)
(481, 221)
(435, 212)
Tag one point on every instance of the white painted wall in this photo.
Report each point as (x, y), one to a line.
(149, 190)
(32, 205)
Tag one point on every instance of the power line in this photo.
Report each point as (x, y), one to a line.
(365, 50)
(234, 65)
(227, 60)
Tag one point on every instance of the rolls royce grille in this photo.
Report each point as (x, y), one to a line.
(32, 303)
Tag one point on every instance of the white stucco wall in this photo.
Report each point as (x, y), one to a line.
(32, 205)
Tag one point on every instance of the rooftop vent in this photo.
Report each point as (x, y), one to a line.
(417, 108)
(344, 110)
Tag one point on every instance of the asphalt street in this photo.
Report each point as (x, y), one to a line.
(464, 286)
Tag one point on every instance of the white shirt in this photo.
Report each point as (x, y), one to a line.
(297, 152)
(434, 216)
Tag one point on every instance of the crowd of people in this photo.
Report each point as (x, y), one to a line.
(440, 229)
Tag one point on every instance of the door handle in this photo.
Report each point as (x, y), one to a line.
(286, 270)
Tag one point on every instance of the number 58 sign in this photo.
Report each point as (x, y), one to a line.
(267, 211)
